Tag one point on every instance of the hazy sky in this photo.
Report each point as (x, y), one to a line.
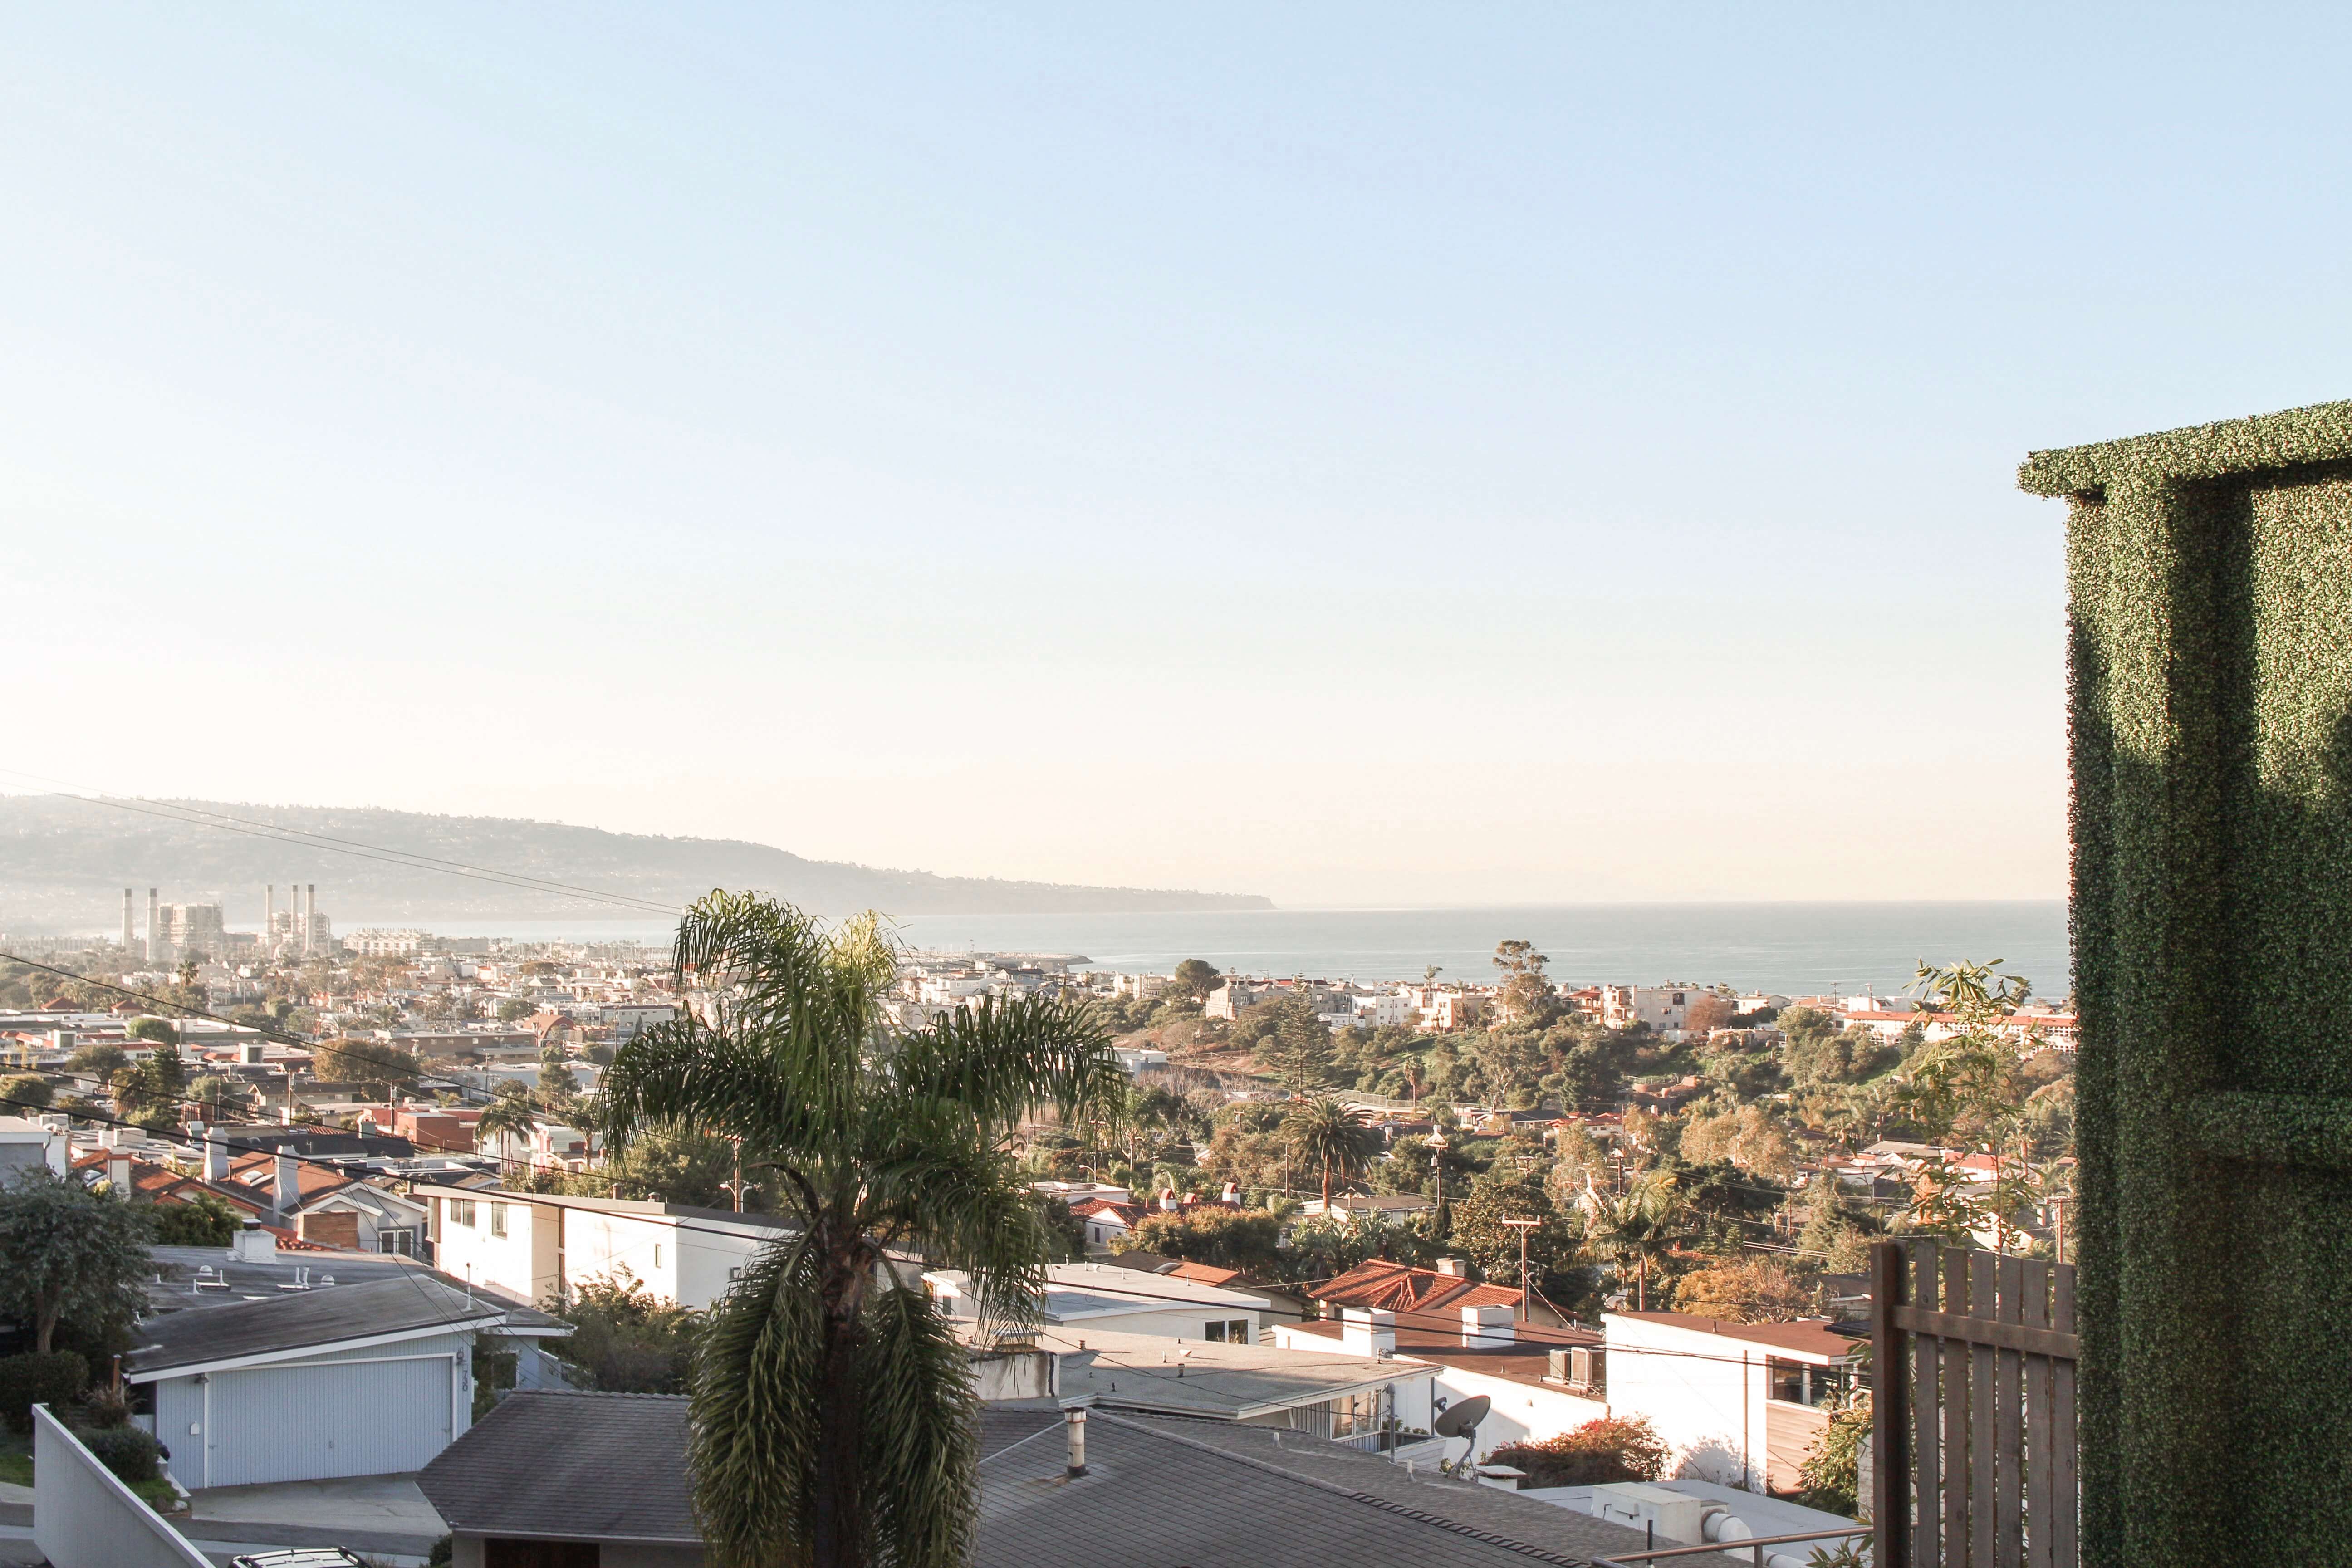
(1437, 455)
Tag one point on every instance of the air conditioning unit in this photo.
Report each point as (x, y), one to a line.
(1674, 1516)
(1583, 1368)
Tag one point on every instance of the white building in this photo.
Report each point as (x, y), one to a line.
(1737, 1403)
(1662, 1007)
(1083, 1296)
(533, 1247)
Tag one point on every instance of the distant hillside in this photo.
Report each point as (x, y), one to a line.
(64, 862)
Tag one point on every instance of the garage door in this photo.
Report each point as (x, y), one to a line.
(341, 1418)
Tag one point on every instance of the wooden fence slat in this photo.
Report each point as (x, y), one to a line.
(1890, 1427)
(2066, 1503)
(1982, 1466)
(2034, 1312)
(2009, 1426)
(1955, 1413)
(1926, 1551)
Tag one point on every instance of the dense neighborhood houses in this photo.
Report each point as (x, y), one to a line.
(1578, 1253)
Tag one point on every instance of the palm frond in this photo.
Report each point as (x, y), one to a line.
(1003, 1058)
(753, 1446)
(921, 1435)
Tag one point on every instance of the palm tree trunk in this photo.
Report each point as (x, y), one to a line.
(837, 1538)
(1327, 1186)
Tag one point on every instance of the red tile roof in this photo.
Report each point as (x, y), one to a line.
(1400, 1287)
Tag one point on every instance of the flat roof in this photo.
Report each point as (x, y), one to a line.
(1200, 1377)
(1810, 1337)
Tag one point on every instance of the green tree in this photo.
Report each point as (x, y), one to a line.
(1297, 1046)
(99, 1060)
(513, 1009)
(71, 1254)
(623, 1340)
(556, 1079)
(1214, 1234)
(1323, 1133)
(362, 1061)
(27, 1091)
(1634, 1228)
(1196, 977)
(509, 1112)
(1477, 1230)
(1525, 997)
(152, 1028)
(203, 1221)
(833, 1420)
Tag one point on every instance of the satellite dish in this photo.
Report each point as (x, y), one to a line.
(1460, 1418)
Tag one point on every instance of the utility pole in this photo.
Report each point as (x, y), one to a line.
(736, 1187)
(1527, 1293)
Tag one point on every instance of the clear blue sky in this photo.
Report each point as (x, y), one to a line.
(1431, 455)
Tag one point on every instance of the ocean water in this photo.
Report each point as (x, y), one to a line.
(1791, 948)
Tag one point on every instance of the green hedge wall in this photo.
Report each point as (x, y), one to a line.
(2210, 580)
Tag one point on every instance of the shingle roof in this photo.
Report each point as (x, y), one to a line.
(1400, 1287)
(309, 1320)
(1160, 1492)
(575, 1466)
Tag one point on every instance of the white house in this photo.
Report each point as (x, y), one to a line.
(340, 1380)
(534, 1248)
(1528, 1373)
(1739, 1403)
(25, 1142)
(1103, 1297)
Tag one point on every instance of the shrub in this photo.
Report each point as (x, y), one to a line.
(1833, 1472)
(129, 1452)
(104, 1405)
(205, 1221)
(1595, 1454)
(29, 1380)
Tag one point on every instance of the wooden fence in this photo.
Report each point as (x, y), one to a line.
(1973, 1443)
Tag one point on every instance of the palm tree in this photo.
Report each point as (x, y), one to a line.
(833, 1420)
(509, 1111)
(1632, 1227)
(1324, 1129)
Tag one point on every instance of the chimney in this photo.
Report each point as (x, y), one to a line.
(255, 1245)
(1074, 1421)
(1367, 1330)
(154, 936)
(288, 1187)
(1489, 1328)
(127, 934)
(1454, 1267)
(216, 1157)
(118, 1175)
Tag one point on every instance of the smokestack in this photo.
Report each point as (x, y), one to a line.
(310, 914)
(126, 922)
(289, 1184)
(1074, 1421)
(268, 914)
(154, 936)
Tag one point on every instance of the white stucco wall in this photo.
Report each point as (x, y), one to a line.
(1705, 1393)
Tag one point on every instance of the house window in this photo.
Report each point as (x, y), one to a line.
(461, 1212)
(1800, 1383)
(1231, 1332)
(497, 1219)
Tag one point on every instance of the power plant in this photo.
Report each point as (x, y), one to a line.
(178, 932)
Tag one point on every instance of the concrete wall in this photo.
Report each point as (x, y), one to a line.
(83, 1516)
